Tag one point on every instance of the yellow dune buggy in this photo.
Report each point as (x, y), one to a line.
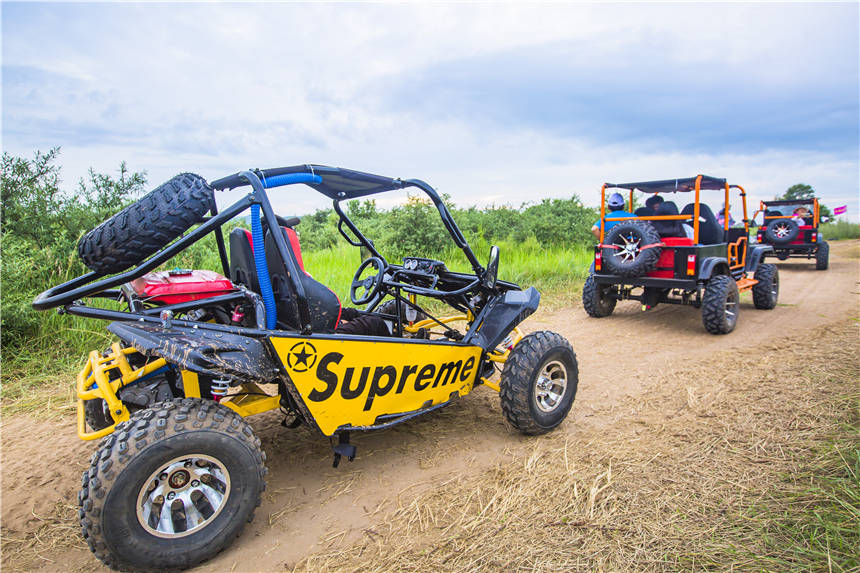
(178, 471)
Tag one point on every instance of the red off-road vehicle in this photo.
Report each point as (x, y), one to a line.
(791, 228)
(679, 257)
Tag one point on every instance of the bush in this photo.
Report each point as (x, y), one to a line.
(840, 230)
(41, 226)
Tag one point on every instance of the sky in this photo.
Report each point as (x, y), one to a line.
(498, 103)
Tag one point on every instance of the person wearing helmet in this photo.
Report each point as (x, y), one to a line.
(616, 209)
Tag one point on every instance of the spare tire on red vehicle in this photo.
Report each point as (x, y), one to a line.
(631, 249)
(782, 231)
(141, 229)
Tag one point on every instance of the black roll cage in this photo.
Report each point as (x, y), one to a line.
(336, 183)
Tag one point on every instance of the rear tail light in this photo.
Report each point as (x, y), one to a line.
(691, 265)
(812, 237)
(758, 238)
(598, 260)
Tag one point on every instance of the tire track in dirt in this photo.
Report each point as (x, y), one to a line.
(310, 506)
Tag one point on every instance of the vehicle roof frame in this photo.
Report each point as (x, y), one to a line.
(333, 182)
(689, 184)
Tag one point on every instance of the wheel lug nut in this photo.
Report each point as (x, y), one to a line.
(171, 495)
(194, 483)
(163, 476)
(187, 464)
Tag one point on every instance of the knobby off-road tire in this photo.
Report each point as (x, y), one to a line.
(596, 299)
(539, 382)
(629, 259)
(186, 439)
(142, 228)
(822, 256)
(720, 305)
(766, 292)
(781, 231)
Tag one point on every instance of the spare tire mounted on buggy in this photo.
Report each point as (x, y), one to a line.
(631, 248)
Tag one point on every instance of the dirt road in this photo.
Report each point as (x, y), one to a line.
(310, 507)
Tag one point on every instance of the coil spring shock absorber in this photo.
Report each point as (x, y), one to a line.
(219, 388)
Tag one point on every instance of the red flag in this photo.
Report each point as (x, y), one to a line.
(840, 210)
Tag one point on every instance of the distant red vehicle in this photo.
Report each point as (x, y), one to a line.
(792, 228)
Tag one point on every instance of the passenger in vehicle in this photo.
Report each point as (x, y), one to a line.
(653, 203)
(721, 217)
(800, 214)
(616, 209)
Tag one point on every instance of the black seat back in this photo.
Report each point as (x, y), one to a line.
(669, 228)
(710, 232)
(323, 302)
(242, 268)
(643, 212)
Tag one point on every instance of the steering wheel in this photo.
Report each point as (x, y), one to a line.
(370, 284)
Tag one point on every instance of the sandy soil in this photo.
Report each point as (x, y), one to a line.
(310, 507)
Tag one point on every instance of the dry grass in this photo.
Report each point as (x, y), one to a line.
(695, 478)
(54, 531)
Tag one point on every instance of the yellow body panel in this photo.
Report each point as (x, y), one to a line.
(353, 382)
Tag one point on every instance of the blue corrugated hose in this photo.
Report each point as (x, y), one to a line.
(263, 268)
(259, 244)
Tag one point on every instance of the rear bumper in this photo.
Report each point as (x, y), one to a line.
(684, 284)
(800, 248)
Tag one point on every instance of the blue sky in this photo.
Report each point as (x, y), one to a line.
(490, 103)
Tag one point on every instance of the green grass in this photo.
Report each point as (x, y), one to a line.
(551, 270)
(840, 230)
(814, 522)
(62, 342)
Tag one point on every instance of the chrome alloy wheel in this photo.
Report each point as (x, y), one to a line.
(731, 307)
(781, 230)
(182, 497)
(629, 250)
(550, 386)
(774, 287)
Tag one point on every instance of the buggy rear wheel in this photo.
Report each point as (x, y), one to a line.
(596, 299)
(172, 486)
(766, 292)
(720, 305)
(822, 256)
(539, 382)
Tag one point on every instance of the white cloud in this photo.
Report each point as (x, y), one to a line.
(218, 88)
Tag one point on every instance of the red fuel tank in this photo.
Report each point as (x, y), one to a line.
(171, 287)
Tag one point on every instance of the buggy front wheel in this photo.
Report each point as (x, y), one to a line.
(539, 382)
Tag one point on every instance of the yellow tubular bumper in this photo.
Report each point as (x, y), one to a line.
(94, 382)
